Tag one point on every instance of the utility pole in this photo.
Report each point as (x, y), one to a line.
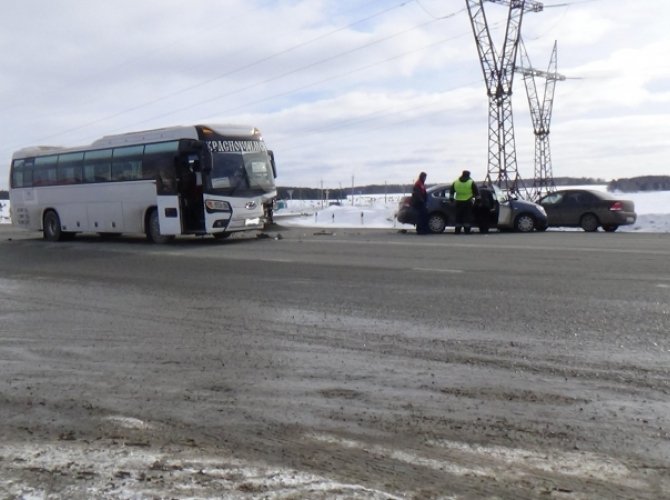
(540, 113)
(498, 70)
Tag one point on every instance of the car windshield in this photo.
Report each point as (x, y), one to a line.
(233, 173)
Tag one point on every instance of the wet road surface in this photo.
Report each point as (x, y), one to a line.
(318, 364)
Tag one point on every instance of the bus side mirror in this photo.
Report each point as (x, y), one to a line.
(272, 162)
(193, 162)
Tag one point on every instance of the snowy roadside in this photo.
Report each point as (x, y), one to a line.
(78, 470)
(378, 212)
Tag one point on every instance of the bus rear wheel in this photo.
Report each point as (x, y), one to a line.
(51, 225)
(154, 229)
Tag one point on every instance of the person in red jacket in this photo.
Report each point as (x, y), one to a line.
(419, 199)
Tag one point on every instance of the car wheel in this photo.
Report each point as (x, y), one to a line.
(524, 223)
(436, 223)
(589, 223)
(154, 229)
(610, 228)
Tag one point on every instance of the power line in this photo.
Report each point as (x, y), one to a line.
(418, 2)
(164, 48)
(384, 114)
(342, 75)
(267, 80)
(227, 74)
(568, 4)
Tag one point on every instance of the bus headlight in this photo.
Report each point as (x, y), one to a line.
(217, 206)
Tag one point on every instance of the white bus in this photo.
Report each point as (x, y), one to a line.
(215, 179)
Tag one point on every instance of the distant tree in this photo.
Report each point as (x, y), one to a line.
(4, 195)
(642, 183)
(576, 181)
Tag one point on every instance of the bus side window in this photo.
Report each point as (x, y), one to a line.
(97, 165)
(22, 173)
(165, 181)
(44, 173)
(127, 163)
(159, 166)
(102, 173)
(121, 170)
(69, 168)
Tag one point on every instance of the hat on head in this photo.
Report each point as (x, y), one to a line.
(466, 173)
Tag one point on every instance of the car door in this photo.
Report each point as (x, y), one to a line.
(554, 205)
(486, 209)
(439, 202)
(571, 209)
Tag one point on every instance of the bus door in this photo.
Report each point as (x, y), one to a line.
(190, 194)
(167, 201)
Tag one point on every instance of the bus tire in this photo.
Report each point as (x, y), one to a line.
(51, 226)
(154, 229)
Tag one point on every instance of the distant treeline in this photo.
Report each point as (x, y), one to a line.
(4, 195)
(643, 183)
(303, 193)
(574, 181)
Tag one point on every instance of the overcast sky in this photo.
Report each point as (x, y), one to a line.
(373, 90)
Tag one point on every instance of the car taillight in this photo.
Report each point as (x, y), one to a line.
(617, 206)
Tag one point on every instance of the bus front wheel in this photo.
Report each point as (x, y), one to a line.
(154, 229)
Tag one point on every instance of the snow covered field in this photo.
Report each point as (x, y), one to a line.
(377, 211)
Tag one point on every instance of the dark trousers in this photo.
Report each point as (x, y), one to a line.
(463, 215)
(421, 219)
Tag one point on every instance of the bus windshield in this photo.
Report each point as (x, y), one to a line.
(235, 173)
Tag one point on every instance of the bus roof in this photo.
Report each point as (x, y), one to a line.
(37, 151)
(173, 133)
(146, 136)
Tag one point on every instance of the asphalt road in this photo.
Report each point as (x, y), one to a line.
(350, 364)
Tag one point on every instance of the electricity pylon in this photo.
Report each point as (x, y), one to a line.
(498, 72)
(540, 113)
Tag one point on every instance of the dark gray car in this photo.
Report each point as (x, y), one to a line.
(491, 210)
(588, 209)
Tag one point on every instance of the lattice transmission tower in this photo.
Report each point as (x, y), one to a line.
(540, 112)
(498, 69)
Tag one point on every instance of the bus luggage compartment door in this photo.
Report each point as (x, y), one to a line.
(169, 214)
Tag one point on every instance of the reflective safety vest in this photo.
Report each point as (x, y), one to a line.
(463, 190)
